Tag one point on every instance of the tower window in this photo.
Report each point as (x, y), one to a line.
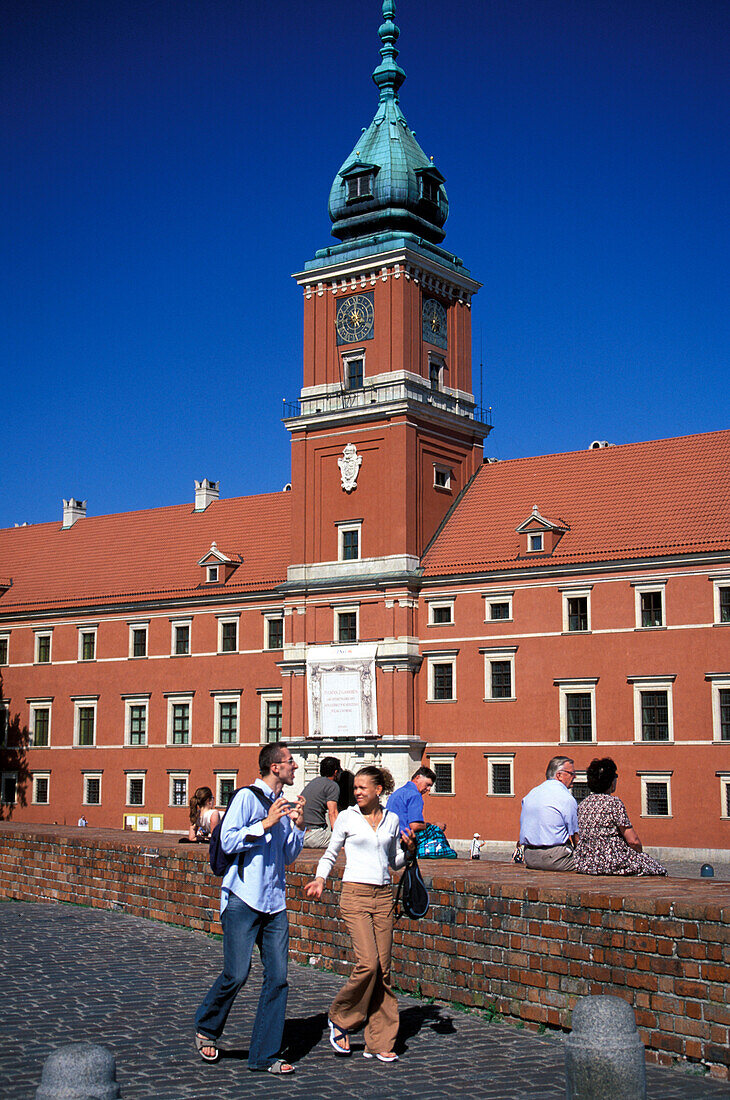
(429, 189)
(354, 374)
(360, 187)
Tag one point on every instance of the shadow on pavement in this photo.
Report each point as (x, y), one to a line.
(412, 1020)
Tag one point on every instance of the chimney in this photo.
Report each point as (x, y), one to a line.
(206, 492)
(73, 510)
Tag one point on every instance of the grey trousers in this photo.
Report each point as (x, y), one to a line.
(558, 858)
(317, 838)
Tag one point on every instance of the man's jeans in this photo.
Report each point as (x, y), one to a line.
(242, 928)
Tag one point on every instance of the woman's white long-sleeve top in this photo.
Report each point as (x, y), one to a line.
(369, 852)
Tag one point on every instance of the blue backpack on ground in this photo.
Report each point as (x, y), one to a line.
(220, 861)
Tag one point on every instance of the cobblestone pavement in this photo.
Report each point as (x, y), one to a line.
(71, 973)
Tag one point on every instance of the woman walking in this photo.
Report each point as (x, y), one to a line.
(373, 843)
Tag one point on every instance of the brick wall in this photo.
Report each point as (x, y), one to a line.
(520, 943)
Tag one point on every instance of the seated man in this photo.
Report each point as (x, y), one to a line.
(549, 819)
(407, 801)
(320, 807)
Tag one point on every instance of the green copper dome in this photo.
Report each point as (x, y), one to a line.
(388, 184)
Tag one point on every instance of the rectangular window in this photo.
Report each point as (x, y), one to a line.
(228, 723)
(87, 645)
(725, 795)
(212, 574)
(225, 786)
(577, 613)
(498, 606)
(40, 726)
(360, 187)
(656, 797)
(138, 640)
(434, 376)
(85, 725)
(580, 790)
(441, 614)
(443, 680)
(578, 716)
(354, 373)
(4, 720)
(275, 632)
(181, 639)
(273, 720)
(92, 790)
(135, 790)
(349, 543)
(178, 790)
(40, 789)
(4, 646)
(534, 542)
(42, 649)
(444, 771)
(228, 635)
(179, 723)
(347, 626)
(137, 723)
(8, 788)
(724, 600)
(654, 716)
(501, 672)
(651, 609)
(500, 775)
(724, 701)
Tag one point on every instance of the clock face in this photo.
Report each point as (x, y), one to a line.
(434, 323)
(355, 317)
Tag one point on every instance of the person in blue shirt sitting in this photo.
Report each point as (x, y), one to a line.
(407, 801)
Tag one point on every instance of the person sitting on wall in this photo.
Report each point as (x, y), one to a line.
(407, 801)
(203, 816)
(320, 807)
(549, 819)
(607, 841)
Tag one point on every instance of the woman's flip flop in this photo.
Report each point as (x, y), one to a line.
(337, 1034)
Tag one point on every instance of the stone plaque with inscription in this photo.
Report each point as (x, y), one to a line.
(341, 691)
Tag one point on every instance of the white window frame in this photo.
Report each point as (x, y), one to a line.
(566, 687)
(85, 701)
(136, 701)
(443, 758)
(497, 597)
(535, 542)
(224, 620)
(270, 696)
(5, 637)
(46, 632)
(172, 777)
(445, 472)
(9, 774)
(717, 584)
(445, 657)
(36, 775)
(342, 527)
(643, 588)
(652, 683)
(219, 778)
(143, 624)
(181, 698)
(33, 706)
(576, 594)
(724, 778)
(274, 616)
(82, 630)
(718, 682)
(220, 697)
(212, 573)
(500, 758)
(345, 609)
(499, 653)
(433, 605)
(128, 777)
(347, 358)
(90, 775)
(175, 624)
(656, 777)
(439, 362)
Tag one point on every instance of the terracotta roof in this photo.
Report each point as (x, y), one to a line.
(638, 500)
(134, 556)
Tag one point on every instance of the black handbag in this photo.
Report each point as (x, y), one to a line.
(411, 896)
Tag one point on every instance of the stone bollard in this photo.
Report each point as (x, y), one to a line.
(79, 1071)
(604, 1056)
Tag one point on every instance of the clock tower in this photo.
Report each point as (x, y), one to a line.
(386, 432)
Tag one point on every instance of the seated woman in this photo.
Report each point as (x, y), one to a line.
(607, 841)
(203, 815)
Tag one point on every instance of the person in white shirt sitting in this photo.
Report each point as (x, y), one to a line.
(373, 843)
(549, 819)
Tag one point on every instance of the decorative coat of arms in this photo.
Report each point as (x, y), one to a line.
(349, 464)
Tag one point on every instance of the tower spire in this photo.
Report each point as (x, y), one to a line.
(388, 76)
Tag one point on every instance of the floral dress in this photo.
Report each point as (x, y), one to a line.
(601, 849)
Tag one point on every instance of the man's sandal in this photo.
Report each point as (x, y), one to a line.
(203, 1043)
(281, 1067)
(337, 1036)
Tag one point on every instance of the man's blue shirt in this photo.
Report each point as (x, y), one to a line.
(549, 815)
(266, 853)
(407, 803)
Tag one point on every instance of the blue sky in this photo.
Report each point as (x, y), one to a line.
(167, 165)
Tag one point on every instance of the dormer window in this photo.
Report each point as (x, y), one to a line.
(212, 574)
(535, 542)
(218, 566)
(429, 184)
(539, 535)
(360, 187)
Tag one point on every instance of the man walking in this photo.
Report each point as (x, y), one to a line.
(320, 803)
(407, 801)
(549, 819)
(267, 831)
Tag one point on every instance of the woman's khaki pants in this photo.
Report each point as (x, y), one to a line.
(368, 913)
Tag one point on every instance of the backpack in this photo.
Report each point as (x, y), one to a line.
(411, 896)
(220, 861)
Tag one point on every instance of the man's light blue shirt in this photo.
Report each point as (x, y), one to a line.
(549, 815)
(266, 852)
